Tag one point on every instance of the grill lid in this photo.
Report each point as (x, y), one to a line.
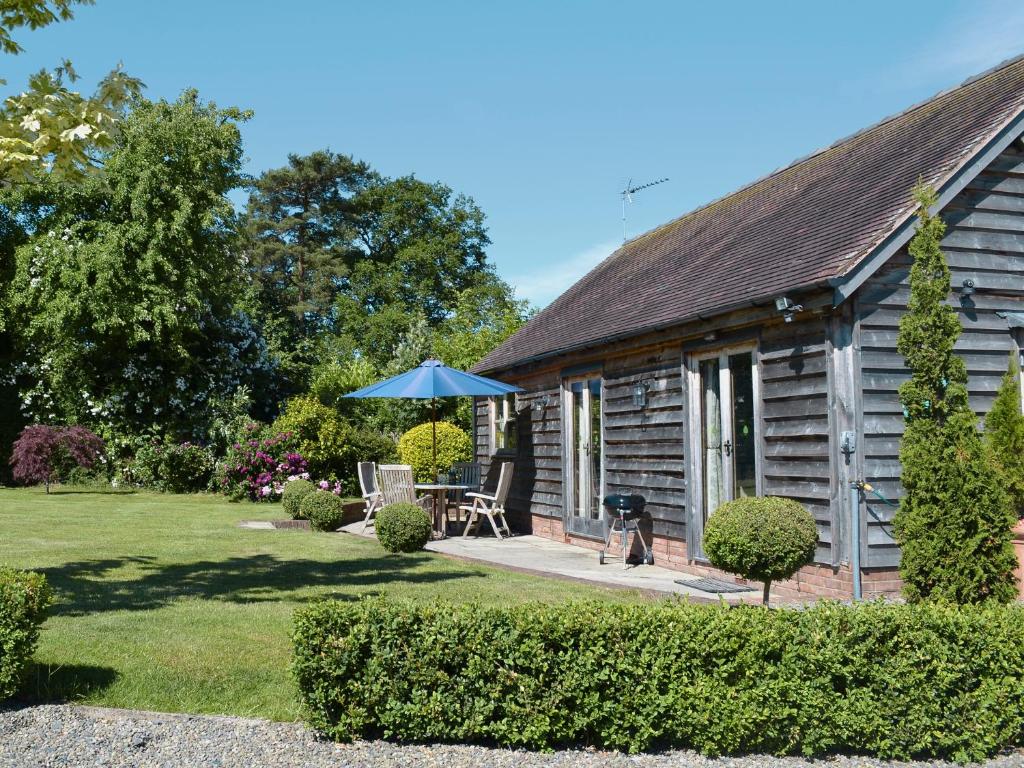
(624, 501)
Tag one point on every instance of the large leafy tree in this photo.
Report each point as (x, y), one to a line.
(49, 129)
(126, 290)
(299, 221)
(953, 523)
(420, 246)
(347, 257)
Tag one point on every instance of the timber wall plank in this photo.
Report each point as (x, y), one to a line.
(983, 243)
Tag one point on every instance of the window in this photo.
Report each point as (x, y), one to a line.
(503, 424)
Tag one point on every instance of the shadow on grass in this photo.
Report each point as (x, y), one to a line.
(63, 682)
(91, 586)
(89, 491)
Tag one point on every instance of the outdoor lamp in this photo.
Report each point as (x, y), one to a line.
(640, 394)
(541, 403)
(786, 306)
(967, 288)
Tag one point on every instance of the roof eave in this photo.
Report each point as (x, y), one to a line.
(653, 328)
(899, 235)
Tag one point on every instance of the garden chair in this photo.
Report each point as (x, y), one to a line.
(466, 473)
(490, 506)
(397, 486)
(371, 492)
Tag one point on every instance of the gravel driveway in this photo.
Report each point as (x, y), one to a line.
(84, 736)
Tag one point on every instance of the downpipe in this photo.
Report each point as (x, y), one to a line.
(856, 487)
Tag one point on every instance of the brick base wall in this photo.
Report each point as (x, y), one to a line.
(810, 582)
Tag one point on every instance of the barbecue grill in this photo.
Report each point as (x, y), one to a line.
(624, 513)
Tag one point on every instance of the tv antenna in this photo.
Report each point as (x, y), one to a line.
(627, 197)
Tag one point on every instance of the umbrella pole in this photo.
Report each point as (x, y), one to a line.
(433, 435)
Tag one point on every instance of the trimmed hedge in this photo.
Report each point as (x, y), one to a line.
(323, 509)
(403, 528)
(895, 681)
(295, 491)
(24, 599)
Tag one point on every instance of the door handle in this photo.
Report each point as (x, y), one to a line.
(727, 445)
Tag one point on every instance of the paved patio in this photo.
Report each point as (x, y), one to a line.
(545, 557)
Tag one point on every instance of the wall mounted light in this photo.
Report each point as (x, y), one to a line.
(967, 288)
(640, 394)
(541, 403)
(786, 306)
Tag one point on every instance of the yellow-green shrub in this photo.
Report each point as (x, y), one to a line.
(415, 448)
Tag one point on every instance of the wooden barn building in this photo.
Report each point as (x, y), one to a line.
(749, 347)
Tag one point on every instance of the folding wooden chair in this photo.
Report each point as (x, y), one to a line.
(372, 496)
(466, 473)
(397, 485)
(490, 506)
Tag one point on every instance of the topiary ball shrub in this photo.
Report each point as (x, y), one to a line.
(403, 528)
(323, 509)
(292, 496)
(762, 539)
(415, 448)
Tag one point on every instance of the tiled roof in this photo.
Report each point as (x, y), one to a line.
(798, 227)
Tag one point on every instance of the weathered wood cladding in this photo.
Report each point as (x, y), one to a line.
(793, 365)
(537, 480)
(643, 448)
(825, 372)
(984, 243)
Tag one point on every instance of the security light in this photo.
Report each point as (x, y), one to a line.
(967, 288)
(786, 306)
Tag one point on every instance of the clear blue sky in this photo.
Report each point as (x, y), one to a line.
(542, 110)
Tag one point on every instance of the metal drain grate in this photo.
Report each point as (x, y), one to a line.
(708, 584)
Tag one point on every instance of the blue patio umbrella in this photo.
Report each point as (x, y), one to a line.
(431, 380)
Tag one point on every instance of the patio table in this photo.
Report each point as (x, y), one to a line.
(440, 493)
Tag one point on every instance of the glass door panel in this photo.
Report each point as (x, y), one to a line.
(724, 410)
(584, 456)
(594, 385)
(744, 459)
(711, 431)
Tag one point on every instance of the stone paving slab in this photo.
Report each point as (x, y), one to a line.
(545, 557)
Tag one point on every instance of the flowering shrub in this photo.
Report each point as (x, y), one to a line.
(257, 468)
(42, 454)
(336, 487)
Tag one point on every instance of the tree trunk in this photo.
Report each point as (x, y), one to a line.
(767, 586)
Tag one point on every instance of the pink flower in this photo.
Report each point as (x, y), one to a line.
(324, 485)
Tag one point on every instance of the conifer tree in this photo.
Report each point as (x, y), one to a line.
(1004, 436)
(953, 523)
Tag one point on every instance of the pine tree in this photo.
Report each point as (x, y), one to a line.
(953, 524)
(1004, 436)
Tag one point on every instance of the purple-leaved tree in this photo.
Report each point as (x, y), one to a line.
(41, 451)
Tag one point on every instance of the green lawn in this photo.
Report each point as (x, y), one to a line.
(166, 604)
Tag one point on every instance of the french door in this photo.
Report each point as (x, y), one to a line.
(724, 449)
(583, 451)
